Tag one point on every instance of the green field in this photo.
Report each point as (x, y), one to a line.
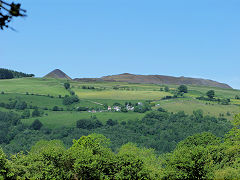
(39, 86)
(121, 95)
(68, 119)
(190, 105)
(44, 93)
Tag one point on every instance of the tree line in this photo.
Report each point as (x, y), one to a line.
(10, 74)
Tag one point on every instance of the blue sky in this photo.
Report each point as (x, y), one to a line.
(93, 38)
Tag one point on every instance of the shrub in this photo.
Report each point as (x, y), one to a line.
(55, 108)
(26, 114)
(36, 125)
(111, 122)
(88, 124)
(21, 105)
(68, 100)
(67, 85)
(35, 113)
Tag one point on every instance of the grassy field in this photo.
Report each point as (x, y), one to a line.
(104, 93)
(33, 85)
(121, 94)
(189, 105)
(68, 119)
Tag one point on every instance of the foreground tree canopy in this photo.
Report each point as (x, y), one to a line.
(8, 12)
(201, 156)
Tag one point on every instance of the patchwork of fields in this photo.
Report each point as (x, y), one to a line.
(44, 93)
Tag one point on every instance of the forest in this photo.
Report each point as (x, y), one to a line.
(10, 74)
(160, 130)
(201, 156)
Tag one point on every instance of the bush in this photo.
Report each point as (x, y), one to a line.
(21, 105)
(72, 92)
(225, 101)
(88, 124)
(82, 109)
(55, 108)
(36, 125)
(166, 89)
(35, 113)
(111, 122)
(67, 85)
(68, 100)
(25, 114)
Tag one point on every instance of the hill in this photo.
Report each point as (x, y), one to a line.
(160, 79)
(43, 99)
(57, 74)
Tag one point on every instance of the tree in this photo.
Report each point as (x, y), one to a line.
(68, 100)
(111, 122)
(36, 113)
(67, 85)
(210, 94)
(183, 89)
(193, 158)
(8, 11)
(4, 166)
(21, 105)
(88, 124)
(26, 114)
(166, 88)
(36, 125)
(55, 108)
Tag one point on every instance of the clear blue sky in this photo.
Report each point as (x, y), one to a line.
(92, 38)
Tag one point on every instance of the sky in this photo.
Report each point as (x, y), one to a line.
(94, 38)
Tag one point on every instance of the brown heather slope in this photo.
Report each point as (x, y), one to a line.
(57, 74)
(159, 79)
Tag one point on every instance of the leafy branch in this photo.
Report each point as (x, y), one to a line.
(8, 12)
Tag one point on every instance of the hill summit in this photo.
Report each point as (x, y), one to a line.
(58, 74)
(160, 79)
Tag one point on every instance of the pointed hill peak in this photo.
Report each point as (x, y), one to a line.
(57, 74)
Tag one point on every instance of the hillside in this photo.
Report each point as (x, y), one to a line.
(160, 79)
(123, 112)
(57, 74)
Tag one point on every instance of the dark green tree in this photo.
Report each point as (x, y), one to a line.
(36, 125)
(210, 94)
(21, 105)
(36, 113)
(166, 89)
(183, 89)
(67, 85)
(55, 108)
(26, 114)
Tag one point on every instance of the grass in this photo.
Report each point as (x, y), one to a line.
(105, 94)
(189, 105)
(121, 95)
(33, 85)
(69, 118)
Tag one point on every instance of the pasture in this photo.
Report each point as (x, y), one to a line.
(44, 93)
(69, 118)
